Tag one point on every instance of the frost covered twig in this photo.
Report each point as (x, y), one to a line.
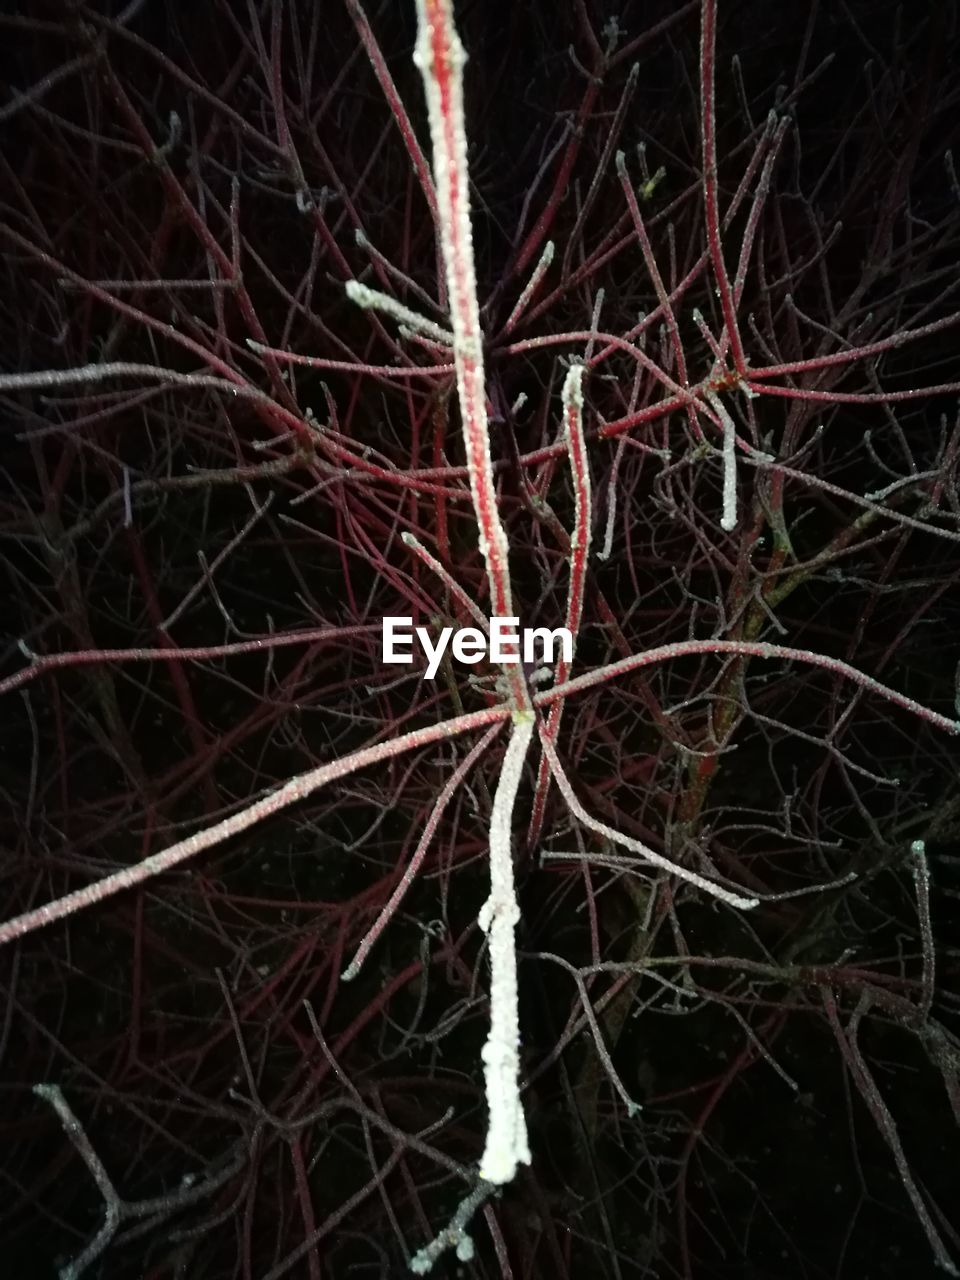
(440, 57)
(507, 1130)
(117, 1211)
(579, 556)
(728, 519)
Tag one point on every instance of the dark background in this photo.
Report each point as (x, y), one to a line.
(173, 1017)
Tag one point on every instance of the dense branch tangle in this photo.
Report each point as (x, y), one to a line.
(675, 669)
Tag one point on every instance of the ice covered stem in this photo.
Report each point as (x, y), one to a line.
(440, 58)
(579, 555)
(506, 1145)
(374, 300)
(728, 520)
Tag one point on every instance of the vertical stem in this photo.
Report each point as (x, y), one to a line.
(507, 1144)
(385, 80)
(579, 555)
(708, 32)
(440, 57)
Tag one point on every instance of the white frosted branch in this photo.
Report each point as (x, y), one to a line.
(627, 842)
(507, 1144)
(728, 519)
(453, 1236)
(374, 300)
